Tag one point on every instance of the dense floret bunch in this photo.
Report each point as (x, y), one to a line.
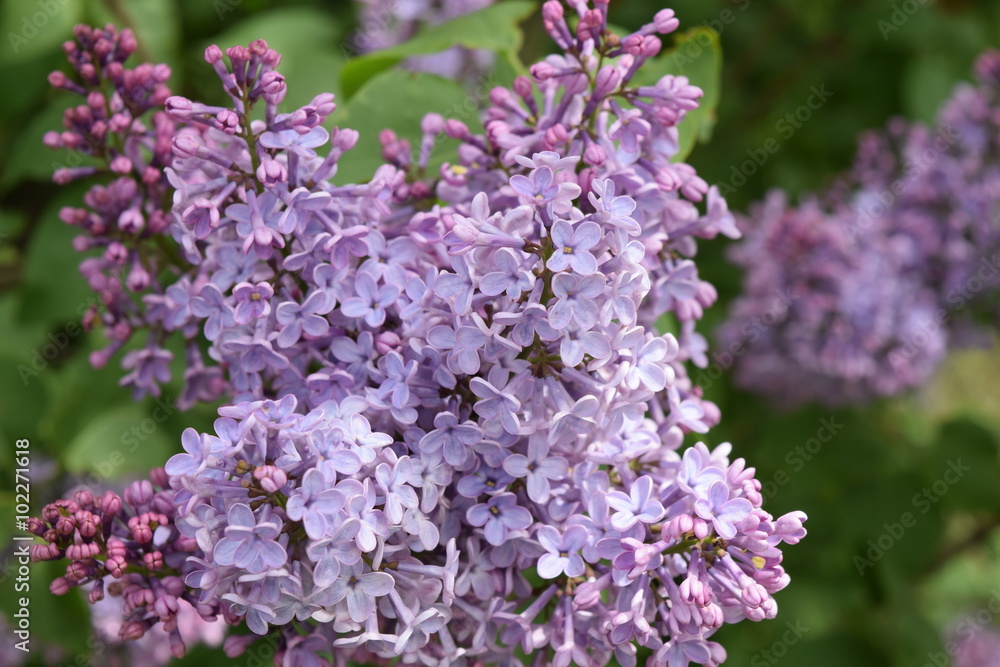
(450, 431)
(886, 270)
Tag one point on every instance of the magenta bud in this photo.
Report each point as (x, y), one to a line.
(59, 586)
(665, 21)
(270, 172)
(131, 630)
(121, 165)
(432, 123)
(594, 155)
(139, 492)
(111, 503)
(456, 129)
(153, 561)
(542, 71)
(523, 86)
(235, 645)
(131, 221)
(229, 121)
(96, 593)
(271, 478)
(552, 10)
(274, 87)
(40, 552)
(57, 79)
(65, 525)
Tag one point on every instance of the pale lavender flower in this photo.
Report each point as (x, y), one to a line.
(722, 510)
(571, 245)
(250, 542)
(561, 551)
(497, 516)
(315, 504)
(638, 505)
(252, 301)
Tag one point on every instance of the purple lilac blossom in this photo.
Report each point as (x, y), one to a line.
(859, 291)
(395, 453)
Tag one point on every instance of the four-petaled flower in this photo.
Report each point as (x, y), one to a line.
(497, 516)
(562, 551)
(315, 504)
(249, 542)
(252, 301)
(576, 300)
(371, 300)
(638, 505)
(360, 589)
(571, 247)
(722, 510)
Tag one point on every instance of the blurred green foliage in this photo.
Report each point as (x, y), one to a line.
(876, 58)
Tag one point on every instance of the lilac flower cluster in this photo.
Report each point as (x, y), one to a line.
(131, 547)
(124, 133)
(889, 268)
(453, 433)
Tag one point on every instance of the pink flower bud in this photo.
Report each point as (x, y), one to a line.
(59, 586)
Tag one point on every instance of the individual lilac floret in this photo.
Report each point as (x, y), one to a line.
(499, 515)
(252, 301)
(638, 505)
(250, 542)
(315, 505)
(722, 510)
(562, 551)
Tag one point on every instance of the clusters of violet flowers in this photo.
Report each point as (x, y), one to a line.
(451, 431)
(896, 263)
(128, 546)
(124, 135)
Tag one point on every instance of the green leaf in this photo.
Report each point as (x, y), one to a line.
(697, 55)
(124, 439)
(77, 391)
(398, 100)
(492, 29)
(308, 41)
(24, 394)
(52, 290)
(34, 27)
